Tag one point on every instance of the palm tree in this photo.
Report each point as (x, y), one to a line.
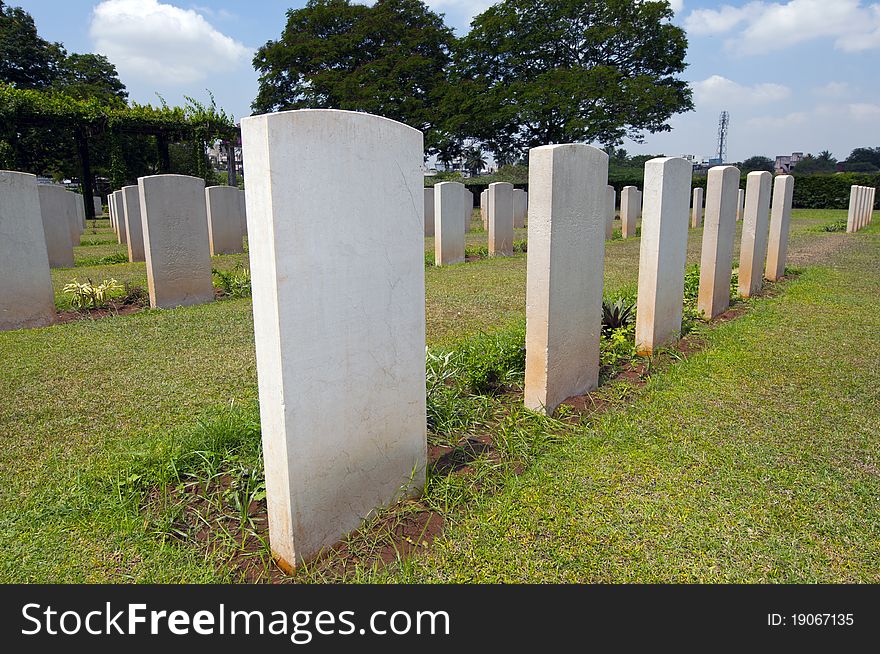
(474, 160)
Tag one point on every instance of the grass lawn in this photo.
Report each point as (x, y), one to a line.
(756, 459)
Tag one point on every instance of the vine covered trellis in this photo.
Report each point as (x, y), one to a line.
(90, 119)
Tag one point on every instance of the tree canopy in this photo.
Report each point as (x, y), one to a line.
(757, 163)
(388, 59)
(529, 73)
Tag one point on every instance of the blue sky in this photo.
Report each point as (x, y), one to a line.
(795, 75)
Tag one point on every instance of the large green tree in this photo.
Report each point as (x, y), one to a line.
(533, 72)
(389, 59)
(757, 163)
(27, 61)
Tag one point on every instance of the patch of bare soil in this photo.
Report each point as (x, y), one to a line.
(112, 309)
(816, 250)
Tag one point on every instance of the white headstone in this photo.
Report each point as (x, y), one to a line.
(26, 295)
(500, 216)
(224, 219)
(756, 217)
(567, 221)
(55, 210)
(175, 223)
(662, 252)
(243, 210)
(429, 211)
(134, 230)
(630, 207)
(448, 235)
(122, 236)
(611, 197)
(339, 312)
(780, 217)
(719, 232)
(697, 208)
(484, 213)
(99, 210)
(851, 219)
(740, 205)
(519, 208)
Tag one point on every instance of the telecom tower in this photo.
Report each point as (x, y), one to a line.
(723, 123)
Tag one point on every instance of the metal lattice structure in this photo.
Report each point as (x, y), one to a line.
(723, 124)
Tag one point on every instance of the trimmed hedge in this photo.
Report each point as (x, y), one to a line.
(810, 191)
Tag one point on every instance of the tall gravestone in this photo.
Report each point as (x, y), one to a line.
(134, 229)
(175, 224)
(26, 295)
(55, 211)
(484, 212)
(468, 208)
(448, 236)
(500, 215)
(567, 220)
(662, 252)
(243, 209)
(851, 220)
(740, 204)
(780, 218)
(630, 206)
(224, 219)
(352, 325)
(719, 232)
(611, 198)
(111, 211)
(122, 236)
(99, 210)
(80, 207)
(756, 216)
(429, 211)
(697, 208)
(519, 208)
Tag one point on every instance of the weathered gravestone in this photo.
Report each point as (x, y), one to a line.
(448, 235)
(26, 295)
(756, 216)
(567, 218)
(697, 208)
(175, 225)
(224, 219)
(662, 252)
(134, 229)
(780, 218)
(719, 232)
(500, 217)
(630, 208)
(339, 312)
(55, 211)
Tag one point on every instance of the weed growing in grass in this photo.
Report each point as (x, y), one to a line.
(493, 361)
(87, 295)
(235, 283)
(838, 225)
(477, 252)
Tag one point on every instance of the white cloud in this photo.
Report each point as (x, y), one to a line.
(765, 26)
(864, 110)
(718, 91)
(162, 44)
(832, 90)
(787, 121)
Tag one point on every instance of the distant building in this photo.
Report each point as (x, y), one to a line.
(785, 163)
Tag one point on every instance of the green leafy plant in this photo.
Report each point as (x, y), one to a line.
(234, 283)
(88, 295)
(838, 225)
(618, 314)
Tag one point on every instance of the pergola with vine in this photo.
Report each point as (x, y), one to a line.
(88, 119)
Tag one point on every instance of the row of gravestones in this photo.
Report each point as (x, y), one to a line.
(175, 225)
(339, 291)
(339, 295)
(63, 216)
(861, 207)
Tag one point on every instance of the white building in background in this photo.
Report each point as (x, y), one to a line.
(785, 163)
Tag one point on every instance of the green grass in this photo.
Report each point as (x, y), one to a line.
(767, 430)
